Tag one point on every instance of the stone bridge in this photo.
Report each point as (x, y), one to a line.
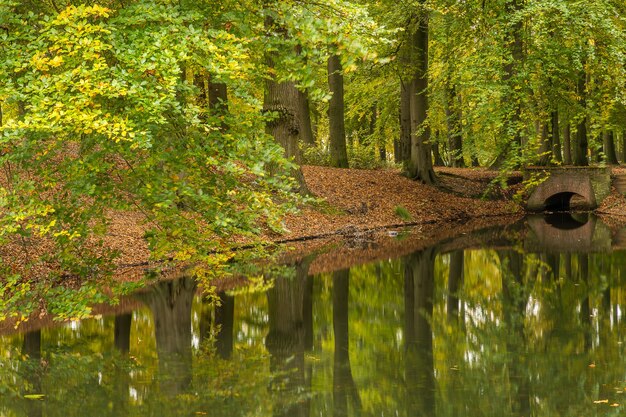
(555, 187)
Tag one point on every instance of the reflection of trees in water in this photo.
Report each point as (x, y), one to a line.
(286, 340)
(217, 322)
(455, 282)
(514, 302)
(344, 388)
(585, 305)
(31, 348)
(419, 291)
(170, 303)
(121, 332)
(121, 340)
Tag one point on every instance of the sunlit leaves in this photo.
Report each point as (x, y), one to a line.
(100, 114)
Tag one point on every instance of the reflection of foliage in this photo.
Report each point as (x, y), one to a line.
(78, 361)
(527, 329)
(66, 300)
(546, 363)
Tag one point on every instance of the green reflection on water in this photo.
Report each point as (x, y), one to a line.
(463, 333)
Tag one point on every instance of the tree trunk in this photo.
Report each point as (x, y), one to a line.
(404, 148)
(421, 166)
(556, 137)
(336, 117)
(438, 161)
(282, 100)
(608, 143)
(511, 69)
(580, 155)
(623, 146)
(453, 124)
(545, 148)
(567, 145)
(218, 102)
(307, 125)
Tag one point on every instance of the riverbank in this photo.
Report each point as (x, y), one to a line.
(351, 202)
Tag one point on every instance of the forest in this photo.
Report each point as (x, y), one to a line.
(196, 116)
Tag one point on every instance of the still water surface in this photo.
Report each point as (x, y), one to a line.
(476, 332)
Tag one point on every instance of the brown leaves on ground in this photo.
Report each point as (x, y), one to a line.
(349, 201)
(366, 199)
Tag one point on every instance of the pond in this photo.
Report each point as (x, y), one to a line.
(518, 327)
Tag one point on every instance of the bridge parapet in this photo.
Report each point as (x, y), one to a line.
(555, 186)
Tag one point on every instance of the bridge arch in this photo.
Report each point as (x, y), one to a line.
(561, 185)
(563, 201)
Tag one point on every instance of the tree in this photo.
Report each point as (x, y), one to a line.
(421, 167)
(336, 114)
(100, 112)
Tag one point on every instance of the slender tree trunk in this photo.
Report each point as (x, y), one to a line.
(307, 125)
(580, 156)
(421, 167)
(608, 142)
(382, 151)
(567, 145)
(438, 160)
(545, 148)
(336, 117)
(404, 147)
(556, 137)
(455, 140)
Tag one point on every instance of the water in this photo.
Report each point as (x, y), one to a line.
(519, 329)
